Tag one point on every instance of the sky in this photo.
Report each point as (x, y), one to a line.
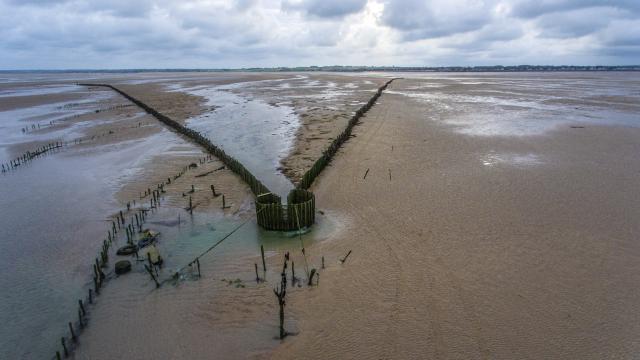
(121, 34)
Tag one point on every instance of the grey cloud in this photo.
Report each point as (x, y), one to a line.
(532, 9)
(325, 8)
(624, 33)
(236, 33)
(243, 5)
(417, 19)
(576, 23)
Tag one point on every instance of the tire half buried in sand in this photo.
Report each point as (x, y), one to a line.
(123, 267)
(127, 250)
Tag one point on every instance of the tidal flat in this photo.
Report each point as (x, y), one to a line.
(497, 217)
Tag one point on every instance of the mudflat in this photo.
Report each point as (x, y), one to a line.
(472, 246)
(487, 215)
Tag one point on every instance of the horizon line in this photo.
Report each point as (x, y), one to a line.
(344, 67)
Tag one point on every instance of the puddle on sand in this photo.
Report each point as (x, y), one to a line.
(53, 218)
(524, 104)
(492, 159)
(186, 236)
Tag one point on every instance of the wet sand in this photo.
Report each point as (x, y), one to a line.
(461, 254)
(323, 103)
(467, 242)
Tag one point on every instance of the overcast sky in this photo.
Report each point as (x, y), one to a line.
(62, 34)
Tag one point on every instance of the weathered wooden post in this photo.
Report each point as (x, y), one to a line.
(84, 313)
(323, 262)
(64, 347)
(345, 258)
(224, 203)
(90, 296)
(58, 355)
(95, 285)
(149, 260)
(153, 277)
(73, 334)
(257, 277)
(311, 274)
(264, 264)
(198, 265)
(280, 294)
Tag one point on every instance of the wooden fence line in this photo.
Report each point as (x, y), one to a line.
(270, 215)
(329, 153)
(234, 165)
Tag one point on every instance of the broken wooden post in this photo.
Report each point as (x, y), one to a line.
(280, 294)
(311, 274)
(95, 285)
(345, 258)
(153, 277)
(264, 264)
(323, 262)
(90, 296)
(84, 313)
(257, 277)
(198, 265)
(73, 334)
(149, 260)
(64, 347)
(224, 203)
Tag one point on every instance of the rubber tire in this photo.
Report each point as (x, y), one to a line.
(123, 267)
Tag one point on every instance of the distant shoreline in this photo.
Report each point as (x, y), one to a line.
(496, 68)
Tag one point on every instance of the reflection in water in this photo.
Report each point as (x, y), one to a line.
(255, 133)
(525, 104)
(54, 214)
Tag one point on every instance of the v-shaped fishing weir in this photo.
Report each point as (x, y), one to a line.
(299, 212)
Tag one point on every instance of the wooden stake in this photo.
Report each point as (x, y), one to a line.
(345, 258)
(312, 273)
(257, 277)
(64, 347)
(264, 264)
(73, 334)
(152, 276)
(280, 294)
